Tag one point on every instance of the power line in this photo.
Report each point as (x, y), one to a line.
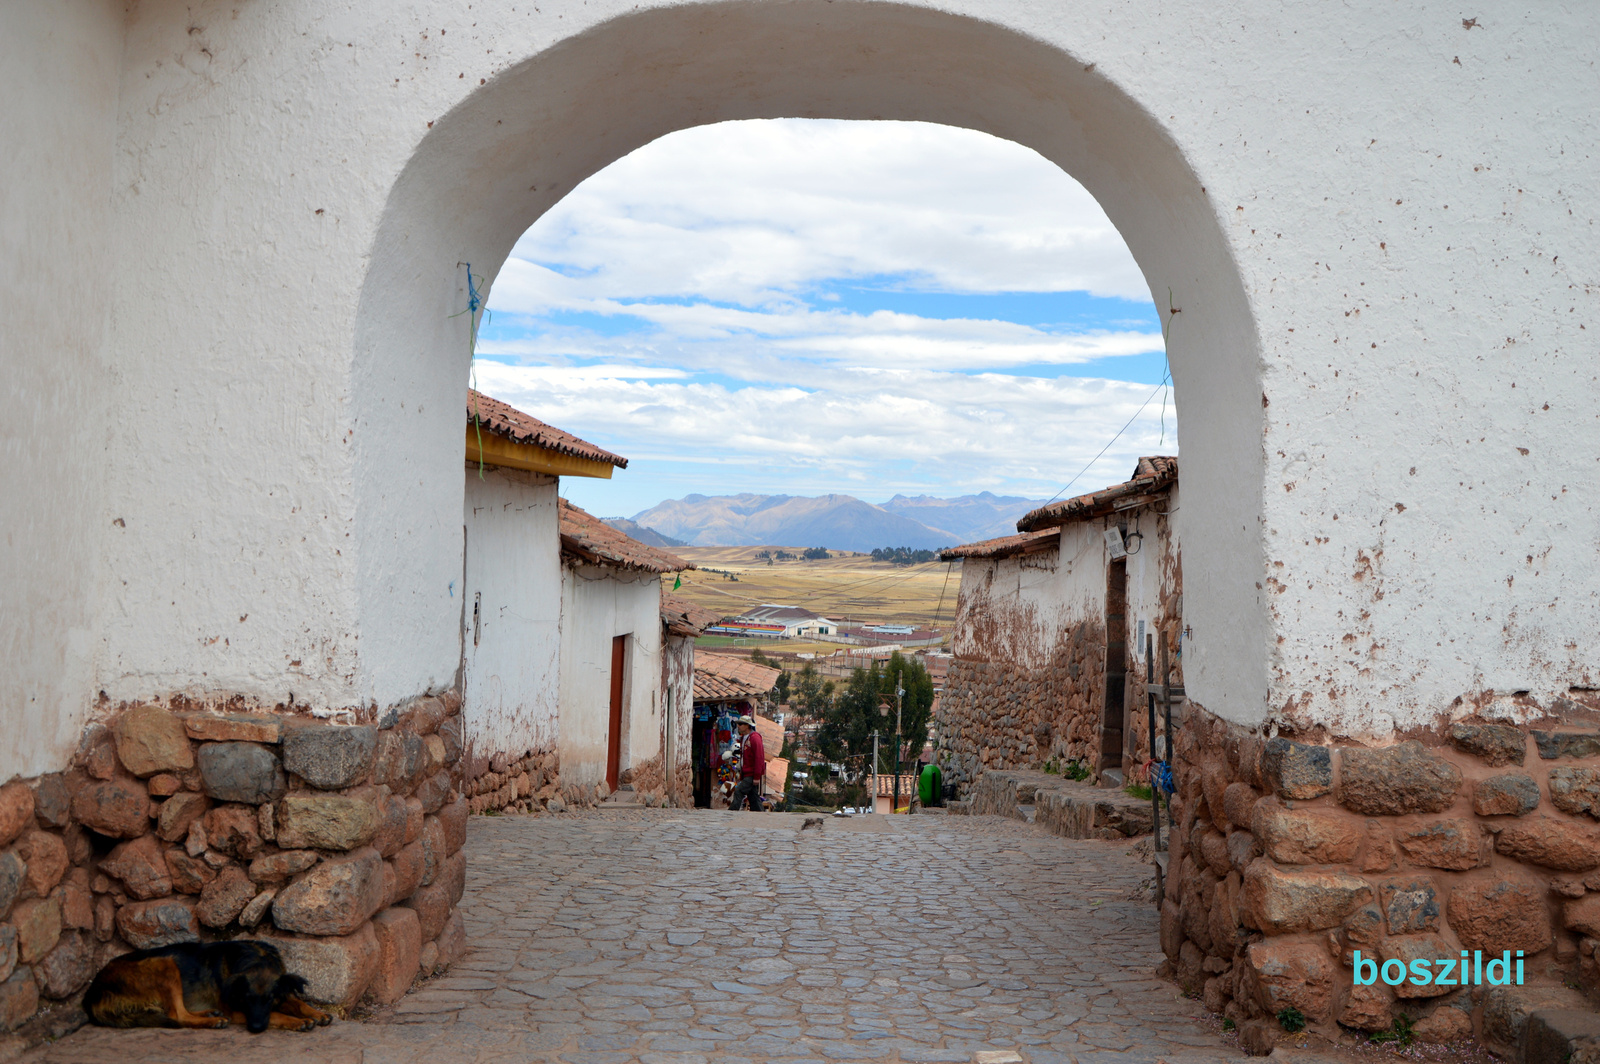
(1113, 439)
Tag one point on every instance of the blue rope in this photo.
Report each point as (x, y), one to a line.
(1161, 776)
(474, 300)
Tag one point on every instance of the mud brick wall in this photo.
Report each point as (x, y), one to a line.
(1289, 856)
(996, 715)
(339, 843)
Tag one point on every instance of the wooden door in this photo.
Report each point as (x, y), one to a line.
(1116, 667)
(619, 661)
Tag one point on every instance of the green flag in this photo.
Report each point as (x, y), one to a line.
(676, 584)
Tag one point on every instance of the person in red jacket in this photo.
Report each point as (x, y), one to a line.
(752, 766)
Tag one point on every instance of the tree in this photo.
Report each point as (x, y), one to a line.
(810, 693)
(847, 729)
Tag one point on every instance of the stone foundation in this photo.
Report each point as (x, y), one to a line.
(1065, 807)
(339, 843)
(1287, 857)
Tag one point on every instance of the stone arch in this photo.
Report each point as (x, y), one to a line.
(509, 150)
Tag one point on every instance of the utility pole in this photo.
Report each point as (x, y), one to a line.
(898, 692)
(872, 801)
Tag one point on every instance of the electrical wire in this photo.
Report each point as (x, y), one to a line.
(1113, 439)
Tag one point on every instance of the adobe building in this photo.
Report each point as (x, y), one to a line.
(1376, 315)
(1049, 651)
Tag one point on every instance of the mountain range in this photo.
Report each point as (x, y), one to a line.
(839, 522)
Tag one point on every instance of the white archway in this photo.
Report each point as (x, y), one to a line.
(492, 165)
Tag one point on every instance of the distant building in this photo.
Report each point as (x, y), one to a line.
(771, 621)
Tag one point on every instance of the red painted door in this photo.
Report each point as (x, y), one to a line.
(619, 659)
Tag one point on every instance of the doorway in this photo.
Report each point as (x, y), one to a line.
(619, 663)
(1112, 719)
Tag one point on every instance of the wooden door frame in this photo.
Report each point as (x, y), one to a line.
(619, 664)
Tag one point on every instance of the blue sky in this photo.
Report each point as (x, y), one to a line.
(799, 307)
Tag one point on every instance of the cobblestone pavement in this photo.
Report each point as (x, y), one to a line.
(668, 937)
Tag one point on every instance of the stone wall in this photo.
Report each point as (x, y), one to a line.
(994, 715)
(1064, 807)
(339, 843)
(1289, 856)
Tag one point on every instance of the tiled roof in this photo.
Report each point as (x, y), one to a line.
(1004, 546)
(1151, 475)
(503, 419)
(586, 538)
(725, 677)
(682, 617)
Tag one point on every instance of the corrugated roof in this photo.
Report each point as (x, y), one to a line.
(726, 678)
(503, 419)
(772, 612)
(1152, 475)
(1004, 546)
(682, 617)
(586, 538)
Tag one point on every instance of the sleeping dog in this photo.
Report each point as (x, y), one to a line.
(201, 984)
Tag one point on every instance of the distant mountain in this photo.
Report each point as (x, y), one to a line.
(970, 517)
(840, 522)
(643, 533)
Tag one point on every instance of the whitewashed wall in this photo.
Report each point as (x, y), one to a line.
(511, 673)
(1376, 228)
(598, 604)
(677, 701)
(1018, 609)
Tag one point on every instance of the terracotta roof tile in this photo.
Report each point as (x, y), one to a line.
(1151, 475)
(682, 617)
(503, 419)
(725, 677)
(586, 538)
(1005, 546)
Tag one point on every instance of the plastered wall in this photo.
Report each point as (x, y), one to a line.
(598, 604)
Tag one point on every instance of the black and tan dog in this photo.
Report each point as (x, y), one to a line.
(201, 984)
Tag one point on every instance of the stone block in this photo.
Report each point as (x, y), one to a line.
(38, 924)
(1243, 847)
(1408, 948)
(425, 715)
(149, 740)
(52, 802)
(1305, 836)
(391, 834)
(1292, 974)
(77, 903)
(234, 830)
(46, 857)
(280, 866)
(119, 808)
(450, 734)
(408, 864)
(13, 873)
(433, 751)
(1411, 905)
(1295, 770)
(326, 821)
(1576, 745)
(163, 785)
(337, 970)
(454, 876)
(1456, 845)
(1238, 800)
(453, 818)
(1397, 780)
(68, 968)
(1553, 1036)
(452, 942)
(434, 791)
(19, 999)
(1171, 929)
(415, 817)
(1558, 844)
(400, 759)
(141, 867)
(1258, 1038)
(147, 924)
(1576, 791)
(1368, 1008)
(330, 756)
(432, 905)
(1378, 855)
(235, 727)
(1506, 1010)
(1510, 794)
(433, 849)
(179, 811)
(428, 959)
(334, 898)
(1444, 1025)
(1495, 744)
(1281, 901)
(189, 874)
(1214, 853)
(8, 951)
(257, 910)
(241, 772)
(1495, 914)
(1582, 915)
(225, 897)
(399, 937)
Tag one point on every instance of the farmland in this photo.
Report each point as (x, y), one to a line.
(849, 588)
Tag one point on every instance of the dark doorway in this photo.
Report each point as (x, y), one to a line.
(619, 661)
(1116, 669)
(704, 739)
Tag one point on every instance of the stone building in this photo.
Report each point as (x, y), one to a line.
(1055, 628)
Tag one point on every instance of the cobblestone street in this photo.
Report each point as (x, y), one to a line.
(669, 937)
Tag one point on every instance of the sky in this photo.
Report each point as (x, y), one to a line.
(801, 307)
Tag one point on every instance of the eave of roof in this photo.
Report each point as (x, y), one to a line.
(1151, 478)
(1005, 546)
(682, 617)
(587, 539)
(499, 434)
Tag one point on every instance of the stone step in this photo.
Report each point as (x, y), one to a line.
(1112, 777)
